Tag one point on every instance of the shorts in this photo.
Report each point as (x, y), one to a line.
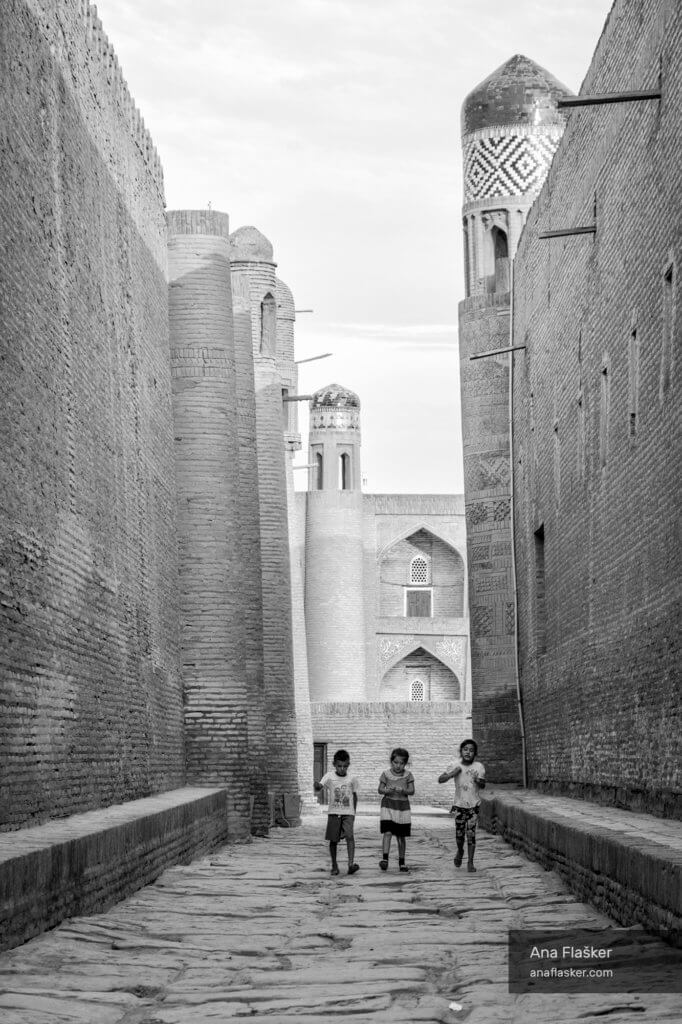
(339, 826)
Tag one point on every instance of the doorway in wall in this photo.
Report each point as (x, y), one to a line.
(320, 767)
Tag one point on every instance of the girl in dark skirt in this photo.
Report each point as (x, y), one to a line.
(396, 787)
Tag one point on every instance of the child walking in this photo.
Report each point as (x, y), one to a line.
(396, 787)
(343, 800)
(469, 776)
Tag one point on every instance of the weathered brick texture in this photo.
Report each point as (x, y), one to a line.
(253, 272)
(598, 434)
(484, 327)
(207, 471)
(250, 581)
(90, 684)
(369, 731)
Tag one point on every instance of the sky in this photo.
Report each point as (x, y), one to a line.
(333, 126)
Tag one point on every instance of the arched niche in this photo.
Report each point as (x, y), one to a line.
(268, 325)
(438, 682)
(444, 580)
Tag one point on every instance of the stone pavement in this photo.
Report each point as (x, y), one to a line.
(261, 930)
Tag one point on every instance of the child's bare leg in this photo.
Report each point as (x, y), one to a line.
(332, 853)
(352, 866)
(401, 853)
(385, 850)
(460, 827)
(471, 840)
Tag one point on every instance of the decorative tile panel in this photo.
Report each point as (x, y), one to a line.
(390, 646)
(507, 165)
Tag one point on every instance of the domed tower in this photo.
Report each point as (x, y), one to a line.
(511, 126)
(334, 605)
(254, 288)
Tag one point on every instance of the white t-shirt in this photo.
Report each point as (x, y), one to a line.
(467, 793)
(340, 789)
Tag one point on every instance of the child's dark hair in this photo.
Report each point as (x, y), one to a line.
(473, 743)
(400, 752)
(341, 755)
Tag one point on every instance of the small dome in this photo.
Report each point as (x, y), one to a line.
(249, 244)
(334, 396)
(518, 92)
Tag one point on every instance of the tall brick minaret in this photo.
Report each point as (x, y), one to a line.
(207, 464)
(334, 608)
(256, 290)
(510, 128)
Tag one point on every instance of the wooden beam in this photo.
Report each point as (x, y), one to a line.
(608, 97)
(497, 352)
(588, 229)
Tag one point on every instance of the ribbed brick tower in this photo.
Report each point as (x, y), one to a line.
(334, 597)
(207, 472)
(288, 373)
(253, 275)
(251, 583)
(510, 129)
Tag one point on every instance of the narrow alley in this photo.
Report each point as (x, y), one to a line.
(262, 931)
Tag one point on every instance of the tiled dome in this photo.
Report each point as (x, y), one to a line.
(335, 396)
(518, 92)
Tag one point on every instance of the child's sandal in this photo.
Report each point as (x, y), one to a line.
(383, 864)
(334, 871)
(404, 867)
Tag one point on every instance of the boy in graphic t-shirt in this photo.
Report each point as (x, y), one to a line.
(342, 790)
(469, 776)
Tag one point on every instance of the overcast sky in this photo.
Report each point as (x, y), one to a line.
(333, 127)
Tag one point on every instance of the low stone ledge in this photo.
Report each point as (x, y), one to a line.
(631, 878)
(86, 863)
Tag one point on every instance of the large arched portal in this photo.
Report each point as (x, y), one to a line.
(420, 676)
(421, 576)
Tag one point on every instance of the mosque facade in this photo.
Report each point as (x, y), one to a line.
(385, 609)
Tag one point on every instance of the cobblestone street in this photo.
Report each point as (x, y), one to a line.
(261, 930)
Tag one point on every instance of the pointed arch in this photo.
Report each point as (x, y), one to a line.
(444, 578)
(419, 674)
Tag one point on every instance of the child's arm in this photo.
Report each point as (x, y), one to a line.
(409, 789)
(382, 785)
(444, 776)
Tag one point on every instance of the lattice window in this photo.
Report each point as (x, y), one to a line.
(417, 691)
(419, 570)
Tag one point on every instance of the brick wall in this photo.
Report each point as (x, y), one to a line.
(484, 327)
(90, 683)
(598, 435)
(369, 731)
(88, 863)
